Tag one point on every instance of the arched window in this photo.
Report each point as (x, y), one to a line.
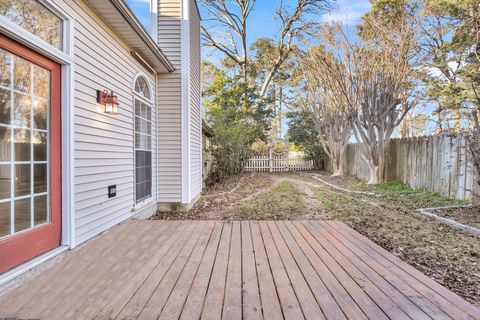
(143, 139)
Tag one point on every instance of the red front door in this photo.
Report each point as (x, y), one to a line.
(30, 154)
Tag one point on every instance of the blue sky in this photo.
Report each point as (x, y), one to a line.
(261, 23)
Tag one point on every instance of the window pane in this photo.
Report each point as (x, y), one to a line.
(41, 82)
(35, 18)
(5, 144)
(39, 146)
(5, 101)
(40, 178)
(4, 181)
(22, 109)
(40, 108)
(40, 206)
(138, 108)
(4, 219)
(22, 214)
(22, 180)
(22, 144)
(143, 175)
(138, 124)
(22, 75)
(143, 157)
(5, 63)
(141, 87)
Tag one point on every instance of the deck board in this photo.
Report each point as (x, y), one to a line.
(233, 270)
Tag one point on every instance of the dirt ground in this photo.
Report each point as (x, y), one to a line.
(388, 218)
(469, 216)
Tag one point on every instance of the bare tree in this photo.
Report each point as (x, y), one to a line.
(329, 97)
(383, 76)
(227, 31)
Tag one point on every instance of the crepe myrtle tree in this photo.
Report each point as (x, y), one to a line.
(369, 76)
(328, 96)
(384, 74)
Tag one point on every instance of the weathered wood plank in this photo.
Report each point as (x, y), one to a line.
(252, 307)
(79, 287)
(157, 300)
(232, 304)
(393, 287)
(136, 304)
(305, 297)
(173, 306)
(448, 301)
(249, 269)
(268, 292)
(156, 252)
(111, 282)
(45, 287)
(324, 298)
(369, 307)
(213, 306)
(194, 304)
(286, 294)
(342, 297)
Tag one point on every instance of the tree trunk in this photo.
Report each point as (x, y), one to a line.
(374, 173)
(338, 167)
(383, 163)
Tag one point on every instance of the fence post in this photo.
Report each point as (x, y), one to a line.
(270, 160)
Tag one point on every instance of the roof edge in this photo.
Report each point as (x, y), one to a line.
(130, 17)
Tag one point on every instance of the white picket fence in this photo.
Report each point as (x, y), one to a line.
(278, 163)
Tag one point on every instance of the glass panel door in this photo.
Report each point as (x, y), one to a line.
(24, 144)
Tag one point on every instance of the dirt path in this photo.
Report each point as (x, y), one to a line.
(314, 208)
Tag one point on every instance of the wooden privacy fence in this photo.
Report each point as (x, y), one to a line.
(441, 164)
(278, 163)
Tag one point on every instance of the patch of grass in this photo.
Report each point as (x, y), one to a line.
(399, 194)
(447, 255)
(283, 201)
(403, 195)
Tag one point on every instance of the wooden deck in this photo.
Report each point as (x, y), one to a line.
(213, 270)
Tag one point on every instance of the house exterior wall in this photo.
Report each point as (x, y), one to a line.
(179, 116)
(194, 105)
(104, 145)
(169, 96)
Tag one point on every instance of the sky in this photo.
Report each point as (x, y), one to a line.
(262, 23)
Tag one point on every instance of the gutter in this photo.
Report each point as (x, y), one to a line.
(125, 11)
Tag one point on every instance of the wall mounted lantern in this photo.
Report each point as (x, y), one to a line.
(109, 100)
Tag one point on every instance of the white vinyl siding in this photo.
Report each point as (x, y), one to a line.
(195, 129)
(169, 99)
(104, 144)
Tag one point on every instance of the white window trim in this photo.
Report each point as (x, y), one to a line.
(137, 206)
(66, 59)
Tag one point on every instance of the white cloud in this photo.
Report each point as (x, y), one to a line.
(347, 11)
